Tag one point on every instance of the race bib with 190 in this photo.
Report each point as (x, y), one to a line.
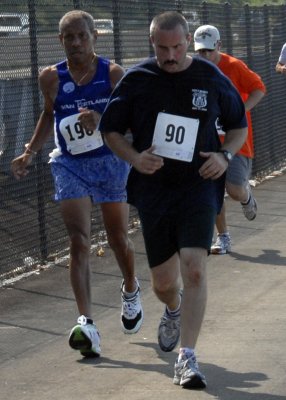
(175, 137)
(78, 139)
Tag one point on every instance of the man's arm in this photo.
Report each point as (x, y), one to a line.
(48, 85)
(254, 98)
(116, 73)
(88, 118)
(145, 162)
(216, 164)
(281, 64)
(234, 139)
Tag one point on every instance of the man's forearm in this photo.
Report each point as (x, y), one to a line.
(120, 146)
(234, 139)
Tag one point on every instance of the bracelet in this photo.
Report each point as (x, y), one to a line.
(29, 150)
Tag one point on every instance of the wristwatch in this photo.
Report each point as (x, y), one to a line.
(227, 154)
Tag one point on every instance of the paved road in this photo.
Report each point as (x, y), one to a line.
(242, 344)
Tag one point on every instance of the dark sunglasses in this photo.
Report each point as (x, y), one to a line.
(206, 50)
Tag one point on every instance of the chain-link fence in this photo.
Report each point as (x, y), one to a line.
(31, 229)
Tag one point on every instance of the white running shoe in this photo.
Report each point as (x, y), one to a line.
(188, 375)
(131, 311)
(85, 337)
(222, 244)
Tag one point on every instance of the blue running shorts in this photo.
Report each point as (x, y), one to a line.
(103, 178)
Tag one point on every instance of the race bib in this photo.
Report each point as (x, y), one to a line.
(78, 139)
(175, 137)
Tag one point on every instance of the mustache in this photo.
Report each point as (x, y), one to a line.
(170, 62)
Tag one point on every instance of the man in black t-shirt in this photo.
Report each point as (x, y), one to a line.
(170, 103)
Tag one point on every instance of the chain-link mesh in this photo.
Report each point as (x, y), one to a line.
(31, 229)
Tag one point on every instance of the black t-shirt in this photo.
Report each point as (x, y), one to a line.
(200, 92)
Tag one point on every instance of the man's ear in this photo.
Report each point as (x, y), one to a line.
(95, 35)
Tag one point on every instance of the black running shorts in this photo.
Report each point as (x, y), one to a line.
(164, 235)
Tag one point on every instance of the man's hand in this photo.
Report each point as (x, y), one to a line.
(214, 166)
(88, 118)
(19, 165)
(148, 163)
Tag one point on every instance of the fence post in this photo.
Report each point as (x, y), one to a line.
(151, 12)
(76, 4)
(248, 37)
(179, 5)
(268, 75)
(228, 30)
(36, 114)
(117, 32)
(204, 13)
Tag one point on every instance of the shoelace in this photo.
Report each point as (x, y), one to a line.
(130, 306)
(223, 239)
(190, 363)
(169, 324)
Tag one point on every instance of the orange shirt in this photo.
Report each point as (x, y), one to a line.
(245, 81)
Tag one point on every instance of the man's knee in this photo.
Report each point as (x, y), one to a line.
(235, 192)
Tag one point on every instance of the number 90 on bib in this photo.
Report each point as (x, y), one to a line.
(175, 136)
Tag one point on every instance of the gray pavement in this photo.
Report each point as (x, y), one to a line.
(241, 348)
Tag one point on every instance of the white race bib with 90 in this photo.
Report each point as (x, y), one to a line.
(175, 137)
(78, 139)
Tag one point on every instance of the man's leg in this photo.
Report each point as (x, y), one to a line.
(193, 270)
(237, 185)
(116, 217)
(76, 214)
(221, 224)
(185, 308)
(166, 283)
(222, 244)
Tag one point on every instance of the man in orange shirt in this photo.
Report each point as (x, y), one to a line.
(251, 88)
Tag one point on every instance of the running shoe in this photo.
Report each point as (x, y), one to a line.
(187, 374)
(250, 209)
(168, 332)
(85, 337)
(222, 244)
(131, 311)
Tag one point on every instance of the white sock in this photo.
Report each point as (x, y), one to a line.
(186, 352)
(174, 313)
(129, 295)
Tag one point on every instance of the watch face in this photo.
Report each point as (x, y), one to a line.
(227, 155)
